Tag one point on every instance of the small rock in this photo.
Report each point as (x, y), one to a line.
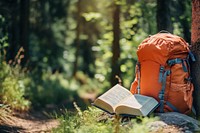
(156, 125)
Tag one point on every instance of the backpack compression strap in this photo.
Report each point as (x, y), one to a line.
(178, 61)
(162, 79)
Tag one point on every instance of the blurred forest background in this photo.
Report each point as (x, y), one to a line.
(54, 52)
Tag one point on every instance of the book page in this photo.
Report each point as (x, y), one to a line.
(115, 95)
(132, 102)
(104, 106)
(136, 105)
(150, 106)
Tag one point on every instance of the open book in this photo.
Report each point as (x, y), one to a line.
(118, 100)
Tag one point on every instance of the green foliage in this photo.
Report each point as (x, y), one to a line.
(85, 121)
(89, 121)
(57, 89)
(3, 38)
(50, 88)
(12, 87)
(12, 80)
(181, 18)
(48, 33)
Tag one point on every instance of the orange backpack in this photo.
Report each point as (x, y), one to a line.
(163, 72)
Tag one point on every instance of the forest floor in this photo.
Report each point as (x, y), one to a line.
(32, 122)
(41, 122)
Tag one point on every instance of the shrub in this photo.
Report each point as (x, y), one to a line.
(47, 88)
(12, 87)
(55, 89)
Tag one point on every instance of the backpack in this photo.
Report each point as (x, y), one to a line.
(163, 72)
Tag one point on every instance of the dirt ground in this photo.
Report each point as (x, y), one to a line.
(37, 122)
(34, 122)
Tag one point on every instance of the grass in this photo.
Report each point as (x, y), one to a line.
(4, 113)
(12, 87)
(94, 120)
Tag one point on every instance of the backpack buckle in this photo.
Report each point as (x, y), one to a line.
(192, 56)
(189, 79)
(174, 61)
(161, 96)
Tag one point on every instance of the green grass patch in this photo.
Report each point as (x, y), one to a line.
(94, 120)
(12, 87)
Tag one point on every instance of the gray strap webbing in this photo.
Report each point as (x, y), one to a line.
(178, 61)
(161, 71)
(162, 91)
(172, 107)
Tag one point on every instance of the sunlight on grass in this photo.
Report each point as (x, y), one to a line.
(94, 120)
(4, 113)
(12, 87)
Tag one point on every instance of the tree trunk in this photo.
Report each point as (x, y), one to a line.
(116, 46)
(13, 28)
(195, 40)
(182, 11)
(77, 40)
(163, 15)
(24, 28)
